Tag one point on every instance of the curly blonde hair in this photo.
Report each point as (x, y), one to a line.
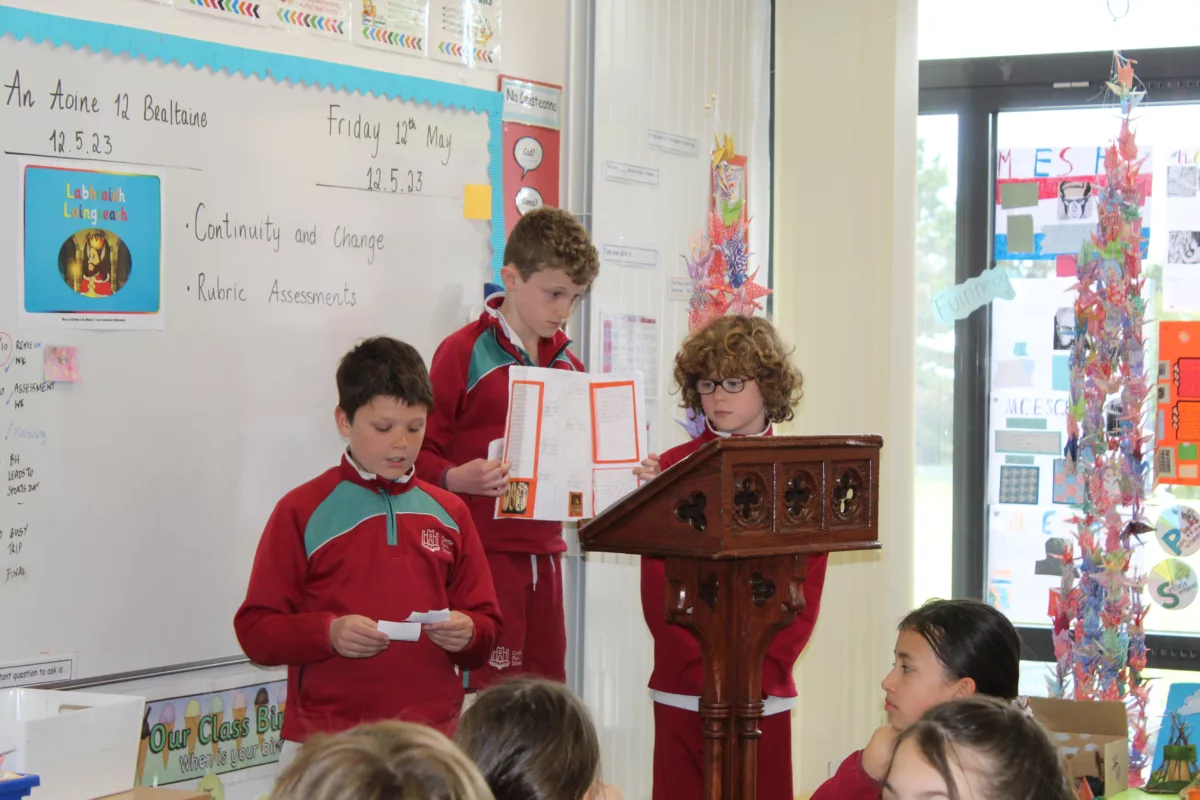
(737, 346)
(550, 238)
(394, 760)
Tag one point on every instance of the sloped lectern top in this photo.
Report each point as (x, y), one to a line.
(741, 497)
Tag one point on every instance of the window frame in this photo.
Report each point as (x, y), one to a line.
(978, 91)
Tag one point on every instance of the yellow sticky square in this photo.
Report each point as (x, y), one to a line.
(477, 201)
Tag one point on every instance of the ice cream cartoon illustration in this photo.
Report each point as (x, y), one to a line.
(216, 709)
(166, 718)
(239, 714)
(143, 746)
(191, 718)
(261, 699)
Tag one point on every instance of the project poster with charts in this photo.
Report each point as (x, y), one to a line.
(90, 242)
(573, 440)
(1046, 203)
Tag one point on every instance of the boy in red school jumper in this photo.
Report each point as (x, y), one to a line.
(363, 542)
(736, 371)
(549, 262)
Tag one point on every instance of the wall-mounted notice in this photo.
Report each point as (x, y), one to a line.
(629, 255)
(465, 32)
(241, 10)
(630, 173)
(1046, 202)
(45, 669)
(532, 123)
(673, 143)
(325, 17)
(398, 25)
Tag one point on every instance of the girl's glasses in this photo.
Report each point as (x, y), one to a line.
(730, 385)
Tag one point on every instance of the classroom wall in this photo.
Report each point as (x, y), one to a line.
(845, 220)
(534, 46)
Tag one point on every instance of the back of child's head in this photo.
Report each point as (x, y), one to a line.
(532, 740)
(381, 761)
(550, 238)
(735, 346)
(383, 367)
(971, 640)
(983, 748)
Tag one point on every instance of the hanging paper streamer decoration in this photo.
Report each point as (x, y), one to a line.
(719, 263)
(1098, 620)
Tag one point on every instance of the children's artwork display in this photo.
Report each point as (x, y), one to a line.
(572, 440)
(1174, 765)
(1177, 457)
(1048, 202)
(1181, 273)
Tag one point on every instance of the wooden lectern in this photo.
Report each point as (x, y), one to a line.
(736, 523)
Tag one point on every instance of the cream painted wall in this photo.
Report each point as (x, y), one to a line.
(845, 220)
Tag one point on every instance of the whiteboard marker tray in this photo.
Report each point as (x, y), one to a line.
(81, 745)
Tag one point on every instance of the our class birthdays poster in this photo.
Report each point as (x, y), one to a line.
(199, 736)
(91, 248)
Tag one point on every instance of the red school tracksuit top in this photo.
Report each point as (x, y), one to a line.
(470, 389)
(850, 782)
(678, 664)
(349, 542)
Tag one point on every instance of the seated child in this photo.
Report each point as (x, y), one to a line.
(977, 748)
(736, 371)
(363, 542)
(534, 740)
(381, 760)
(946, 650)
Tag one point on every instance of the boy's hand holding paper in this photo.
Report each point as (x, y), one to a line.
(354, 636)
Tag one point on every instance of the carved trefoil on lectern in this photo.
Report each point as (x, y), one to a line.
(735, 523)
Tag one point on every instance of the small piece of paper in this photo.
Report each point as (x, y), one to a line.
(400, 631)
(477, 201)
(960, 300)
(1020, 233)
(1019, 195)
(61, 363)
(429, 617)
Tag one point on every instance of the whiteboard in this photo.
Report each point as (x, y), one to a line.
(138, 494)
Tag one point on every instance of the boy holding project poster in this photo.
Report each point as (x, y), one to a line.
(549, 263)
(352, 562)
(736, 372)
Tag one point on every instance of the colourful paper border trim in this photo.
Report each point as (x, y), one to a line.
(119, 40)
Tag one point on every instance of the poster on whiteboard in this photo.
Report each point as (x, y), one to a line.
(90, 240)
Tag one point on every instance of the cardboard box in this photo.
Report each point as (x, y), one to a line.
(81, 745)
(1092, 738)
